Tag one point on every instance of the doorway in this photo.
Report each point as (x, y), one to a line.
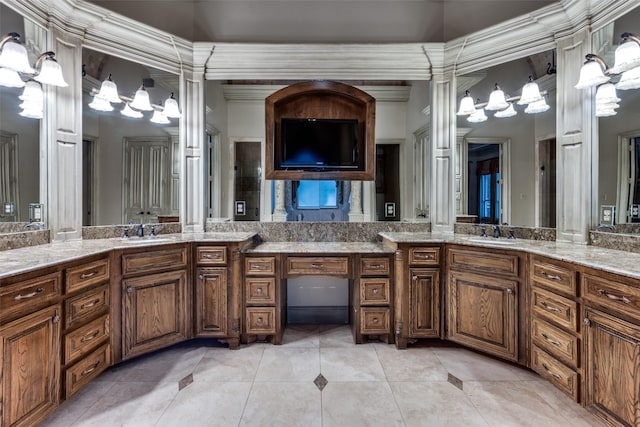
(484, 182)
(88, 176)
(387, 182)
(247, 180)
(546, 183)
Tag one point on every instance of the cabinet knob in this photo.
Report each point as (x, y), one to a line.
(259, 320)
(129, 289)
(55, 319)
(510, 291)
(375, 291)
(586, 322)
(201, 277)
(259, 291)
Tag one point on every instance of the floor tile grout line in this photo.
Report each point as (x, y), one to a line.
(253, 382)
(387, 382)
(86, 410)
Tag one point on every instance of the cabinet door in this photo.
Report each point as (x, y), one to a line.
(211, 302)
(612, 368)
(154, 312)
(30, 367)
(483, 313)
(424, 308)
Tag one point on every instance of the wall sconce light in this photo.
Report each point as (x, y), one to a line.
(595, 72)
(503, 104)
(133, 108)
(14, 61)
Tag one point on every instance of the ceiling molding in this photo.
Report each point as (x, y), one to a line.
(235, 92)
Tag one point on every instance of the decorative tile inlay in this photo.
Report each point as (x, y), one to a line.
(320, 382)
(185, 382)
(454, 380)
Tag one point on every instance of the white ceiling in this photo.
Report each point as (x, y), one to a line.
(321, 21)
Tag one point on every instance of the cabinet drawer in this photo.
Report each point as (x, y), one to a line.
(566, 379)
(211, 255)
(146, 262)
(260, 290)
(261, 320)
(550, 306)
(87, 369)
(374, 291)
(486, 262)
(80, 341)
(375, 320)
(612, 294)
(557, 342)
(29, 295)
(424, 256)
(86, 275)
(374, 266)
(554, 276)
(319, 266)
(260, 265)
(85, 305)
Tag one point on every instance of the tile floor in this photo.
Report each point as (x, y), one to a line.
(367, 385)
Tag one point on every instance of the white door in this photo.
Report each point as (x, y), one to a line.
(146, 179)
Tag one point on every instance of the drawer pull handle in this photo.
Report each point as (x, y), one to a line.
(376, 266)
(549, 340)
(546, 368)
(90, 336)
(375, 291)
(29, 295)
(622, 298)
(551, 276)
(549, 307)
(91, 369)
(89, 304)
(423, 256)
(88, 275)
(317, 265)
(259, 320)
(259, 291)
(258, 267)
(216, 255)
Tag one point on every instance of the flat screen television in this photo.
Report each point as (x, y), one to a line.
(318, 145)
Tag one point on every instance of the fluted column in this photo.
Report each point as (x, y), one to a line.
(355, 212)
(279, 213)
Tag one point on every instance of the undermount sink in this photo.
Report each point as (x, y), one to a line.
(492, 241)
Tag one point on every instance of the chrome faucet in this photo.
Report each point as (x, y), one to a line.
(496, 231)
(35, 225)
(140, 231)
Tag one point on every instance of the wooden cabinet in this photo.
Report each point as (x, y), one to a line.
(155, 299)
(264, 296)
(424, 298)
(30, 367)
(371, 298)
(211, 302)
(483, 300)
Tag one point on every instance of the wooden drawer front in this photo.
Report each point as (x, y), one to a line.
(147, 262)
(87, 275)
(374, 291)
(612, 294)
(78, 342)
(87, 369)
(557, 342)
(374, 266)
(375, 320)
(486, 262)
(555, 277)
(424, 256)
(261, 320)
(260, 265)
(566, 379)
(550, 306)
(29, 295)
(319, 266)
(211, 255)
(259, 290)
(86, 305)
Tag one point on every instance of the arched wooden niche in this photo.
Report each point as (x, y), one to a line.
(324, 101)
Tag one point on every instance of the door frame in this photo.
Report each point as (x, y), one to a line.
(95, 174)
(537, 209)
(265, 190)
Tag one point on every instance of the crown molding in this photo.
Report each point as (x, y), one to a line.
(260, 92)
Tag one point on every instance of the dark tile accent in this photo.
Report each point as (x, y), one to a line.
(320, 382)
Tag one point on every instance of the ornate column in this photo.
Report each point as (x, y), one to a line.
(279, 213)
(355, 212)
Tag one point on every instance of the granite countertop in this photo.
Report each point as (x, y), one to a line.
(615, 261)
(29, 258)
(319, 247)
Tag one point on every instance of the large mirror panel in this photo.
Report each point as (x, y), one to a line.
(506, 169)
(19, 136)
(131, 166)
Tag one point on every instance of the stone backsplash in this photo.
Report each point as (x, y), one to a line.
(114, 231)
(21, 239)
(619, 241)
(528, 233)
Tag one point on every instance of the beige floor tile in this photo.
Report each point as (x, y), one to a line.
(283, 404)
(471, 366)
(135, 404)
(412, 364)
(207, 404)
(222, 364)
(280, 364)
(335, 336)
(435, 403)
(356, 404)
(359, 363)
(301, 336)
(75, 407)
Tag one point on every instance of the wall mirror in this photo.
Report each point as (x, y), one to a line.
(19, 136)
(238, 191)
(506, 165)
(131, 164)
(618, 140)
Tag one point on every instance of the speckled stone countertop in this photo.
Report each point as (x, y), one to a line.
(30, 258)
(319, 247)
(615, 261)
